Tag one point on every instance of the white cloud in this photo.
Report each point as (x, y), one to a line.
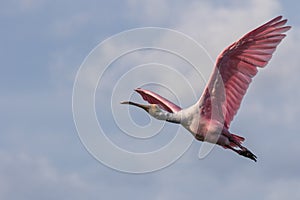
(217, 27)
(152, 11)
(284, 189)
(15, 7)
(24, 176)
(69, 25)
(29, 5)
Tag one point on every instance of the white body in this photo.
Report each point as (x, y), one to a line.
(190, 118)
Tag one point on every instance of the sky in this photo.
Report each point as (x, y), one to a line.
(43, 45)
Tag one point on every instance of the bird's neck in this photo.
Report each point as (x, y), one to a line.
(174, 118)
(169, 117)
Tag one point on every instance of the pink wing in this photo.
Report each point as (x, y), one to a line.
(235, 68)
(154, 98)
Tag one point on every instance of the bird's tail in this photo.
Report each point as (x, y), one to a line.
(236, 140)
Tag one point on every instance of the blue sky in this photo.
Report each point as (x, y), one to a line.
(43, 44)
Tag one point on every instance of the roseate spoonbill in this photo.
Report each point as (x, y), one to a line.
(210, 117)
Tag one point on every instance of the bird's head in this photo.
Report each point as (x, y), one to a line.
(153, 109)
(157, 112)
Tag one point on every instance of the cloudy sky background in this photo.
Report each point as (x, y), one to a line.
(43, 43)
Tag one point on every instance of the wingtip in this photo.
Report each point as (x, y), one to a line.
(276, 20)
(288, 27)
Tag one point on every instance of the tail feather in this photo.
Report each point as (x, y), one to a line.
(236, 140)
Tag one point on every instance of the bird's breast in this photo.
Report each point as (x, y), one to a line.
(205, 130)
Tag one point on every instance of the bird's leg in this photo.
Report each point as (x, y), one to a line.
(243, 152)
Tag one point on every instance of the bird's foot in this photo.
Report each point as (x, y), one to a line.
(245, 152)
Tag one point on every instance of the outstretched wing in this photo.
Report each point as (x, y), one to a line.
(235, 68)
(154, 98)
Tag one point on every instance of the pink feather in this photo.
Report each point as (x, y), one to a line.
(154, 98)
(237, 65)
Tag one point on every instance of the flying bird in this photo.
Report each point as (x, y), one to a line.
(210, 117)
